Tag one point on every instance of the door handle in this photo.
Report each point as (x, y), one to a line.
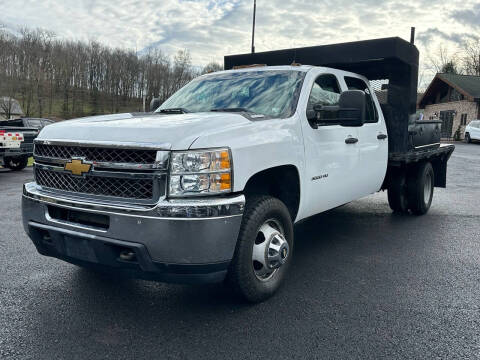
(351, 140)
(381, 136)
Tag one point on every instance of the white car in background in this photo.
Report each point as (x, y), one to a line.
(472, 131)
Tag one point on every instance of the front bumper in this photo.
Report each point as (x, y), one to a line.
(177, 241)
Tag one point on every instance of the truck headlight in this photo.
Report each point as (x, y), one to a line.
(200, 172)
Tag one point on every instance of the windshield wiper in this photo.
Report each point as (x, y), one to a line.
(237, 109)
(173, 111)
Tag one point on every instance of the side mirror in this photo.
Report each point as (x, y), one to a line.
(154, 104)
(349, 112)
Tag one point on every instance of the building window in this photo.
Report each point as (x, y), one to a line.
(463, 119)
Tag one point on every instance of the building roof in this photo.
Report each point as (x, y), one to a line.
(467, 85)
(16, 108)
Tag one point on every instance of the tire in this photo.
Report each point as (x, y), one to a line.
(421, 181)
(263, 215)
(468, 139)
(16, 163)
(397, 191)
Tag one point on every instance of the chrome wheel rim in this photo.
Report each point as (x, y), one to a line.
(427, 188)
(270, 250)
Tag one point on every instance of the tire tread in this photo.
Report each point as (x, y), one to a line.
(240, 274)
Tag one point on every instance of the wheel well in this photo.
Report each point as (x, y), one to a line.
(282, 182)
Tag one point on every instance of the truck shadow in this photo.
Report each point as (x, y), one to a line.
(334, 252)
(341, 231)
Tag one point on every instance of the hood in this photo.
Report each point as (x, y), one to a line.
(177, 131)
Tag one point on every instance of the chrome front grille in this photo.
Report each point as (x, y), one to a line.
(96, 154)
(95, 185)
(113, 172)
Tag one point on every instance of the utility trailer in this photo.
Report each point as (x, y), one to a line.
(391, 66)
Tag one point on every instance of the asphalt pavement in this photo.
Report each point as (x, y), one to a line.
(365, 284)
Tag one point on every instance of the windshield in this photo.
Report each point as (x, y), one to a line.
(273, 93)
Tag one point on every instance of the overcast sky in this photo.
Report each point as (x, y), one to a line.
(210, 29)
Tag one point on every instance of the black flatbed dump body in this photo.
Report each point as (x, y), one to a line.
(397, 159)
(392, 60)
(438, 157)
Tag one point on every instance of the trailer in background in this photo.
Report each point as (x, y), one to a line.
(16, 146)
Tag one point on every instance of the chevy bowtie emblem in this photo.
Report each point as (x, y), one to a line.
(77, 167)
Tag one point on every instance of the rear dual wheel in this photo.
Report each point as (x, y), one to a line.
(420, 185)
(264, 249)
(412, 189)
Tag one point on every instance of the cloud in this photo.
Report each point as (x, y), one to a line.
(468, 16)
(210, 29)
(428, 36)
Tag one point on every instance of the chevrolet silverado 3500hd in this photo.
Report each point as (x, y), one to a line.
(208, 186)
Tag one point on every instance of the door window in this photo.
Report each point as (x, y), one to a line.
(325, 91)
(371, 113)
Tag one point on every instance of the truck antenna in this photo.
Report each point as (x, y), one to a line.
(412, 35)
(253, 27)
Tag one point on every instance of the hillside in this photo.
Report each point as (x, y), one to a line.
(65, 79)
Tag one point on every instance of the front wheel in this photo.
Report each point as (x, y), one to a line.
(16, 163)
(468, 139)
(264, 249)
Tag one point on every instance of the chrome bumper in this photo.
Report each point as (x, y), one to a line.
(199, 231)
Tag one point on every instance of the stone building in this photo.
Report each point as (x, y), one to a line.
(454, 99)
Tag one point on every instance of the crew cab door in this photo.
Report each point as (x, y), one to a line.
(331, 159)
(372, 141)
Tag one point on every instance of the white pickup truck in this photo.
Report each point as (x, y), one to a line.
(208, 186)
